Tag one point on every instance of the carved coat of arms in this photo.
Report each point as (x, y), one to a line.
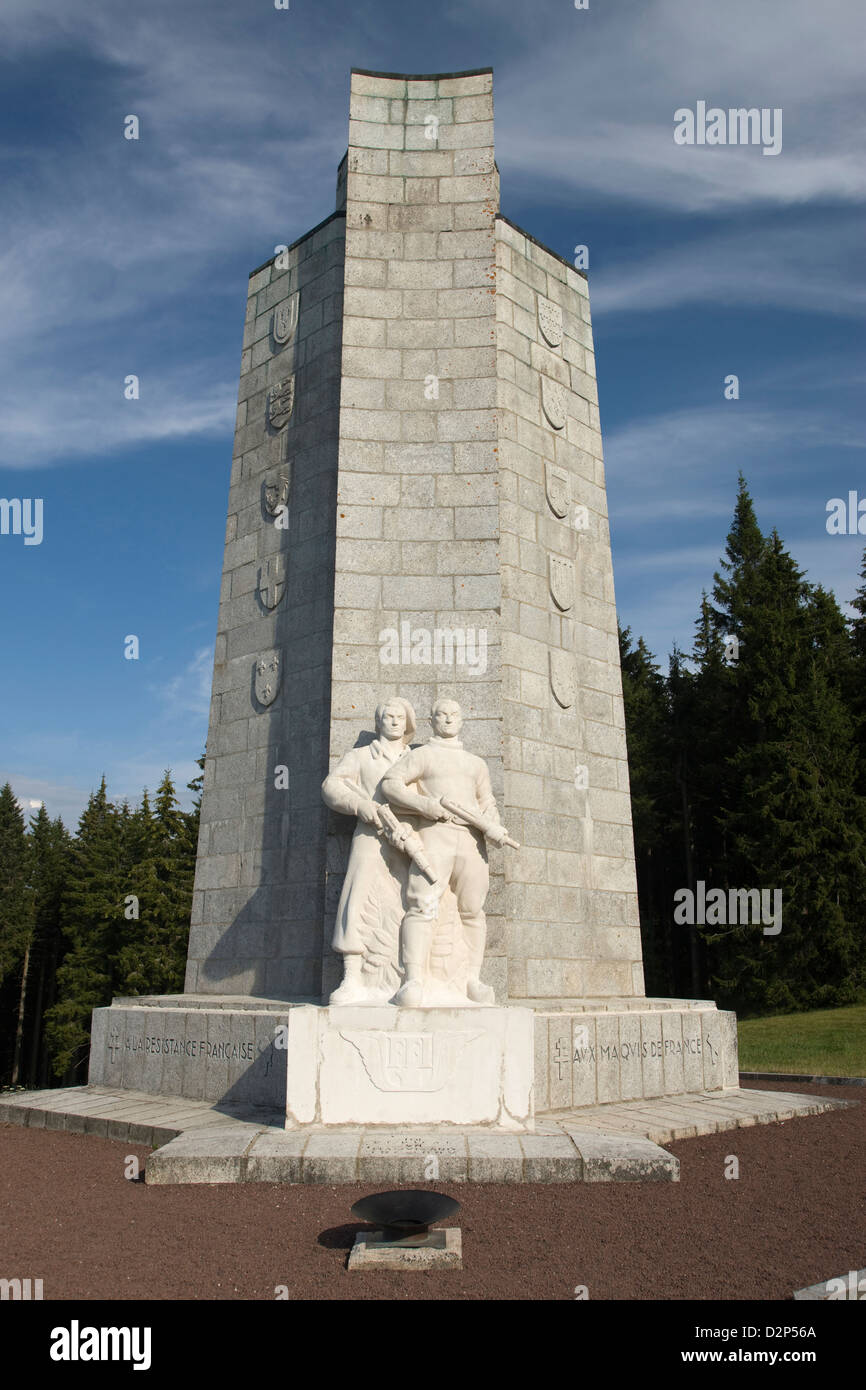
(562, 581)
(550, 321)
(556, 485)
(285, 320)
(272, 580)
(554, 402)
(269, 672)
(275, 491)
(562, 681)
(281, 402)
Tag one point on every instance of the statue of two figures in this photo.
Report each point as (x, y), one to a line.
(410, 922)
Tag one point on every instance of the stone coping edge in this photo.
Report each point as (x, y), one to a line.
(796, 1076)
(341, 212)
(422, 76)
(500, 217)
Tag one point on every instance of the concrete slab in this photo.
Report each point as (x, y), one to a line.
(495, 1158)
(665, 1120)
(846, 1286)
(548, 1159)
(607, 1158)
(444, 1250)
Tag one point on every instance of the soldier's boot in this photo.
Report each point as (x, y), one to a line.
(416, 936)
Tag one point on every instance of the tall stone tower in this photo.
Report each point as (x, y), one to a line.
(438, 435)
(417, 507)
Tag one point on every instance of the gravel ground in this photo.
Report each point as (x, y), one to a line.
(793, 1217)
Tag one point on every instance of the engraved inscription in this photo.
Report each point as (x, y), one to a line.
(611, 1052)
(154, 1045)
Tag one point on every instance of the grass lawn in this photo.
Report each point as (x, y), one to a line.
(826, 1042)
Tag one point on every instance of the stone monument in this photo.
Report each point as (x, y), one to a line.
(417, 521)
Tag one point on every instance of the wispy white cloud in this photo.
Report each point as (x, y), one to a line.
(684, 463)
(608, 81)
(125, 781)
(88, 415)
(118, 255)
(189, 692)
(776, 265)
(115, 252)
(59, 798)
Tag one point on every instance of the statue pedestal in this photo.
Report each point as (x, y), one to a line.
(389, 1066)
(321, 1065)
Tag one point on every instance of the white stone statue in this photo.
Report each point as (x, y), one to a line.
(448, 793)
(367, 928)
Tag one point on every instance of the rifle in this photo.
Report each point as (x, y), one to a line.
(473, 818)
(404, 838)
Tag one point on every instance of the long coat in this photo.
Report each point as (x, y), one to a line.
(371, 901)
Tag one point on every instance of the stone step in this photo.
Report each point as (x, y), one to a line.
(201, 1143)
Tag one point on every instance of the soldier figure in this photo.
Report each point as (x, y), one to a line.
(456, 850)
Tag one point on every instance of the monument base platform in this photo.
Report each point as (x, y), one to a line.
(201, 1143)
(377, 1064)
(348, 1065)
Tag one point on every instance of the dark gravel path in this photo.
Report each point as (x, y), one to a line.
(795, 1215)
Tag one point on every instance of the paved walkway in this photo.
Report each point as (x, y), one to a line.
(195, 1142)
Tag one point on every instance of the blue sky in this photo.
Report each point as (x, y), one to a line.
(121, 257)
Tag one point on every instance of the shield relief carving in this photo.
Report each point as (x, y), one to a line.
(269, 673)
(562, 681)
(562, 581)
(272, 580)
(281, 402)
(550, 321)
(556, 485)
(285, 320)
(275, 491)
(554, 402)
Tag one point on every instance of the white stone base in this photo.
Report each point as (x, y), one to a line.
(381, 1065)
(390, 1066)
(600, 1052)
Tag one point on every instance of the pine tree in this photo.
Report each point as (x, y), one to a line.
(646, 720)
(791, 821)
(16, 917)
(152, 957)
(93, 922)
(857, 677)
(48, 845)
(16, 928)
